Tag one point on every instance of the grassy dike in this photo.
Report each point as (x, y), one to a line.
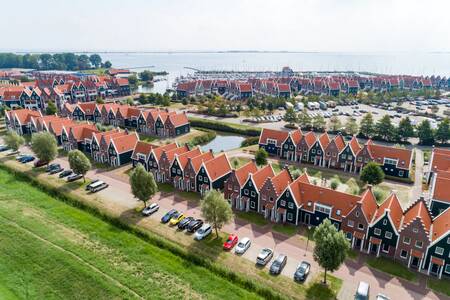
(91, 255)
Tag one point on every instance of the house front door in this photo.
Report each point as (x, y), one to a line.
(307, 219)
(415, 262)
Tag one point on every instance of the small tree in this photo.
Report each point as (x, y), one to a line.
(367, 126)
(261, 157)
(79, 163)
(372, 174)
(318, 122)
(132, 79)
(51, 108)
(290, 116)
(425, 133)
(351, 127)
(216, 210)
(385, 129)
(331, 247)
(44, 145)
(334, 124)
(405, 129)
(443, 131)
(13, 140)
(143, 185)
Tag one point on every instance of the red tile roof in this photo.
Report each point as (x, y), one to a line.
(440, 160)
(125, 143)
(279, 136)
(296, 136)
(368, 204)
(418, 210)
(158, 151)
(441, 187)
(24, 115)
(178, 119)
(170, 154)
(310, 138)
(395, 210)
(142, 148)
(183, 159)
(83, 131)
(324, 140)
(87, 107)
(198, 160)
(245, 87)
(441, 225)
(380, 152)
(284, 88)
(57, 125)
(217, 167)
(262, 175)
(354, 145)
(340, 142)
(281, 181)
(243, 172)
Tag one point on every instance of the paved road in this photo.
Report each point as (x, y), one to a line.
(351, 272)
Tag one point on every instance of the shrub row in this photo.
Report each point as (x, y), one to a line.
(208, 136)
(253, 140)
(225, 127)
(146, 236)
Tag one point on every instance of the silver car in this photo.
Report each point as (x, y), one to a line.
(242, 246)
(152, 208)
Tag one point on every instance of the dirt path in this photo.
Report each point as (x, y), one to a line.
(73, 255)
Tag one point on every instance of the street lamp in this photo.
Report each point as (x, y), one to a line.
(307, 241)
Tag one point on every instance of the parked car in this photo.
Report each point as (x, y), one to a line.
(230, 242)
(92, 182)
(242, 246)
(362, 293)
(203, 232)
(278, 264)
(52, 166)
(152, 208)
(382, 297)
(166, 218)
(3, 148)
(65, 173)
(56, 170)
(184, 223)
(264, 256)
(26, 159)
(97, 186)
(176, 218)
(40, 163)
(302, 271)
(74, 177)
(20, 156)
(194, 225)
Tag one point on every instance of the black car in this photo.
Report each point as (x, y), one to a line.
(27, 159)
(166, 218)
(51, 167)
(302, 271)
(65, 173)
(194, 225)
(184, 223)
(278, 264)
(3, 148)
(74, 177)
(56, 170)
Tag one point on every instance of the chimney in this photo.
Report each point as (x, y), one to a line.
(369, 187)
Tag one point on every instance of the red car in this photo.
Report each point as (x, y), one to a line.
(230, 242)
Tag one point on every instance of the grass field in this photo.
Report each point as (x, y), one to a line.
(50, 250)
(392, 267)
(439, 285)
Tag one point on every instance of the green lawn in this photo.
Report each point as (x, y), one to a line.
(318, 291)
(237, 162)
(165, 187)
(391, 267)
(285, 229)
(439, 285)
(50, 250)
(252, 217)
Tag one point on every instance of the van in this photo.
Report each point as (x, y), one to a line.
(362, 293)
(97, 186)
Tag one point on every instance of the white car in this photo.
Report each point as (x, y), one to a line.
(150, 209)
(203, 232)
(242, 246)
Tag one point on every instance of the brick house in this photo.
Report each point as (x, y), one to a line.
(304, 146)
(235, 182)
(191, 170)
(213, 173)
(250, 191)
(141, 153)
(271, 190)
(317, 151)
(165, 162)
(347, 157)
(179, 164)
(289, 145)
(154, 159)
(332, 151)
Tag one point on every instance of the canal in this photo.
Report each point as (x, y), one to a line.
(223, 142)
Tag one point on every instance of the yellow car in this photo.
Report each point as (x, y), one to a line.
(176, 219)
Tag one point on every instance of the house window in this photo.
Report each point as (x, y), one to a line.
(384, 222)
(179, 172)
(323, 208)
(334, 154)
(246, 192)
(439, 250)
(360, 159)
(200, 177)
(291, 205)
(377, 231)
(400, 173)
(403, 254)
(388, 235)
(357, 214)
(348, 235)
(309, 203)
(253, 194)
(206, 179)
(343, 156)
(415, 230)
(360, 226)
(406, 240)
(271, 199)
(419, 244)
(290, 216)
(385, 248)
(252, 204)
(328, 153)
(390, 161)
(447, 268)
(350, 223)
(313, 151)
(291, 147)
(282, 203)
(192, 186)
(338, 212)
(286, 146)
(287, 194)
(448, 240)
(174, 170)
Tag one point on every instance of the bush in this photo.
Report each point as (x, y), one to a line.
(225, 127)
(353, 187)
(379, 195)
(253, 140)
(334, 183)
(296, 173)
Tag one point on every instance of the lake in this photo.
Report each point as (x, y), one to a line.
(223, 142)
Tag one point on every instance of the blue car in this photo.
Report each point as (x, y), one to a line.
(26, 159)
(166, 218)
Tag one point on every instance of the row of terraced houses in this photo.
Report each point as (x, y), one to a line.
(336, 153)
(61, 89)
(413, 236)
(286, 86)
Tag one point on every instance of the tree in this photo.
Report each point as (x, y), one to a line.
(335, 124)
(372, 174)
(367, 126)
(13, 140)
(425, 133)
(331, 247)
(143, 185)
(443, 131)
(132, 79)
(51, 108)
(261, 157)
(290, 116)
(44, 145)
(405, 129)
(107, 64)
(384, 128)
(351, 127)
(318, 122)
(304, 119)
(95, 60)
(216, 210)
(146, 75)
(79, 163)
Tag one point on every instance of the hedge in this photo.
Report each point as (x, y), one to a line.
(225, 127)
(253, 140)
(208, 136)
(146, 236)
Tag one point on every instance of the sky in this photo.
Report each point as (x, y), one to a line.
(210, 25)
